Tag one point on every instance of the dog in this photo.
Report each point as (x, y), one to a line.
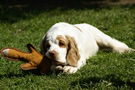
(69, 46)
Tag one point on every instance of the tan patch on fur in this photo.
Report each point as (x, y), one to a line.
(78, 28)
(62, 42)
(73, 53)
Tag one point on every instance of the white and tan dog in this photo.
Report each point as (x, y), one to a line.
(68, 46)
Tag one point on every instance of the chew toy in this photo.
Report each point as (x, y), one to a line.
(34, 60)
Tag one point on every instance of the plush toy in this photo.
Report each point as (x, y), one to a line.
(34, 60)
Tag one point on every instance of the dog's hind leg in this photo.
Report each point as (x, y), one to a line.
(106, 41)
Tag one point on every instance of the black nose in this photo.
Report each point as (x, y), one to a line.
(53, 53)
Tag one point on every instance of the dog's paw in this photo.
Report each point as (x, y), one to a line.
(56, 68)
(122, 50)
(69, 69)
(59, 68)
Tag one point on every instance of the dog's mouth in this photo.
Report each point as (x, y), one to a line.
(55, 62)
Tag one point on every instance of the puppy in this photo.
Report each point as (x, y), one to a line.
(68, 46)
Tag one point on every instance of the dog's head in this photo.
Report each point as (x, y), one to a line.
(60, 48)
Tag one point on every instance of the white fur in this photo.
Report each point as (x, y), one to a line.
(88, 41)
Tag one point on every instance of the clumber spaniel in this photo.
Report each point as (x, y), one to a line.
(68, 46)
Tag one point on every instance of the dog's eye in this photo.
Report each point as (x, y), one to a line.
(61, 44)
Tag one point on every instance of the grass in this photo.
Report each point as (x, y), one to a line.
(106, 70)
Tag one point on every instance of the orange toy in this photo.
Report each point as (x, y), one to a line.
(33, 59)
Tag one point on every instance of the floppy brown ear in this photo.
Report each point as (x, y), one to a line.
(42, 45)
(73, 53)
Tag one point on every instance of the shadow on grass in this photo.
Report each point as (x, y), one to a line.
(108, 80)
(12, 11)
(26, 73)
(10, 75)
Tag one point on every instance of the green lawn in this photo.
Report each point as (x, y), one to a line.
(107, 70)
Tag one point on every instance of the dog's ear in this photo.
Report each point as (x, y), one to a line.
(72, 52)
(42, 45)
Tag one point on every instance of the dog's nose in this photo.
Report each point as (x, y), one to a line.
(53, 53)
